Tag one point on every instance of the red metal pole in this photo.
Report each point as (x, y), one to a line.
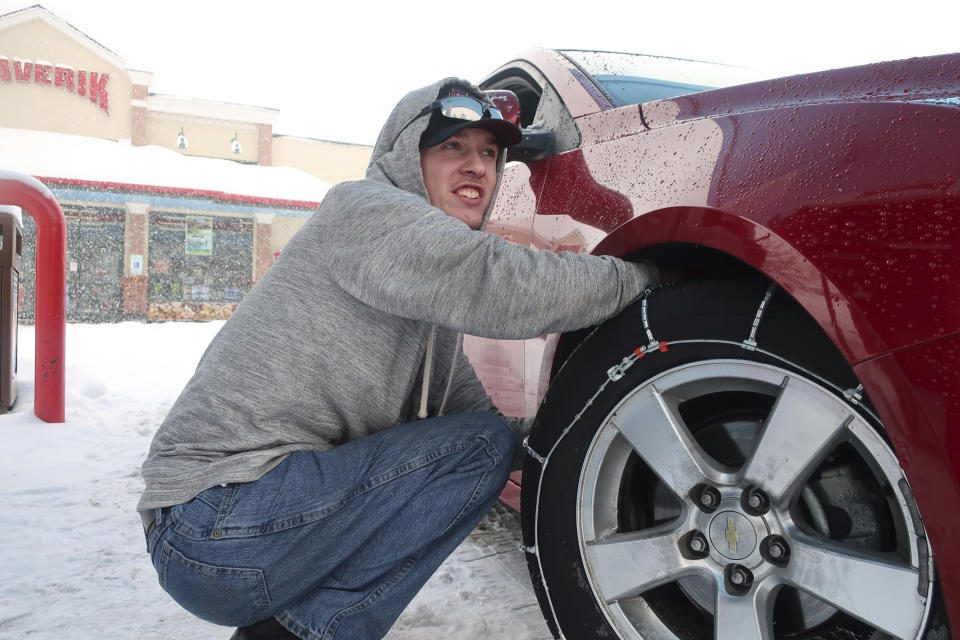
(51, 288)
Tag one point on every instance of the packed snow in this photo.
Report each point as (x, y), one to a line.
(73, 557)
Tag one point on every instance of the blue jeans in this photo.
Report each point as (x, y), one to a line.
(334, 544)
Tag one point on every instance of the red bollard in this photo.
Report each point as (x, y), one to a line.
(51, 288)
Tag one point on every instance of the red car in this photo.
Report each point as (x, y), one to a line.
(771, 447)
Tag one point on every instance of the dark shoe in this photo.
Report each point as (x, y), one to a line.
(268, 629)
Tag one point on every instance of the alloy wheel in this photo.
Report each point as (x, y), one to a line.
(745, 499)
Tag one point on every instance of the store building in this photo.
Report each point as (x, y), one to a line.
(175, 207)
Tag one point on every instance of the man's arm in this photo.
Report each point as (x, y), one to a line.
(395, 252)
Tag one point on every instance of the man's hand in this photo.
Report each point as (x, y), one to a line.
(670, 274)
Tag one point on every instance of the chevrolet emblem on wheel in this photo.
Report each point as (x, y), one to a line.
(732, 535)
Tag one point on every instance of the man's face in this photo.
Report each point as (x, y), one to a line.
(460, 174)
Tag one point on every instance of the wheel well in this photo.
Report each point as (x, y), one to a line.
(692, 260)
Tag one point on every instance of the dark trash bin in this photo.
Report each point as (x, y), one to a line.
(11, 249)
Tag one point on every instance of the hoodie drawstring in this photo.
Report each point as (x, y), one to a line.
(428, 368)
(453, 367)
(427, 365)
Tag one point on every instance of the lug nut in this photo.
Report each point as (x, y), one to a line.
(697, 543)
(709, 498)
(777, 550)
(739, 578)
(755, 501)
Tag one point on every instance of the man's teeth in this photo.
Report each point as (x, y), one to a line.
(470, 193)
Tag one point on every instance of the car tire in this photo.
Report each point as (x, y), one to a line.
(710, 450)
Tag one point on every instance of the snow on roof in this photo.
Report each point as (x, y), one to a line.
(58, 155)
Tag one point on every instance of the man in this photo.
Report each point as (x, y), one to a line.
(334, 444)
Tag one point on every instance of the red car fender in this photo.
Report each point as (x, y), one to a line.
(826, 199)
(835, 311)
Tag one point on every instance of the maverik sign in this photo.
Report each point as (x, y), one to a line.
(80, 81)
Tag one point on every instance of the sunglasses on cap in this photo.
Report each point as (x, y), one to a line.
(463, 108)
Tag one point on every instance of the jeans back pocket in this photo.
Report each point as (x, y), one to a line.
(228, 596)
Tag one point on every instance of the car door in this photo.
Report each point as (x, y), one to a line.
(510, 370)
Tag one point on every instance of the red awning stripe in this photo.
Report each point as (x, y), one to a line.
(178, 191)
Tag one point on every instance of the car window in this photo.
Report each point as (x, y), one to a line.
(628, 78)
(624, 90)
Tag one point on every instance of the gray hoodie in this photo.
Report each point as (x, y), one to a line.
(330, 345)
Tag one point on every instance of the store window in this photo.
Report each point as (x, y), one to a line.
(199, 258)
(94, 264)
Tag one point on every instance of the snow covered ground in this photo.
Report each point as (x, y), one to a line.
(72, 556)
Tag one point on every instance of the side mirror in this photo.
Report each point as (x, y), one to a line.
(538, 143)
(508, 103)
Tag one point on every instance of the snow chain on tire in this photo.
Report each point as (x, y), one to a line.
(653, 346)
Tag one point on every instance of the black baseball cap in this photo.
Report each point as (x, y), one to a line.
(456, 110)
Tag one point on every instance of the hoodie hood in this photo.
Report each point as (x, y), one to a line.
(396, 160)
(396, 154)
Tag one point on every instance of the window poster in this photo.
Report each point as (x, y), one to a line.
(199, 236)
